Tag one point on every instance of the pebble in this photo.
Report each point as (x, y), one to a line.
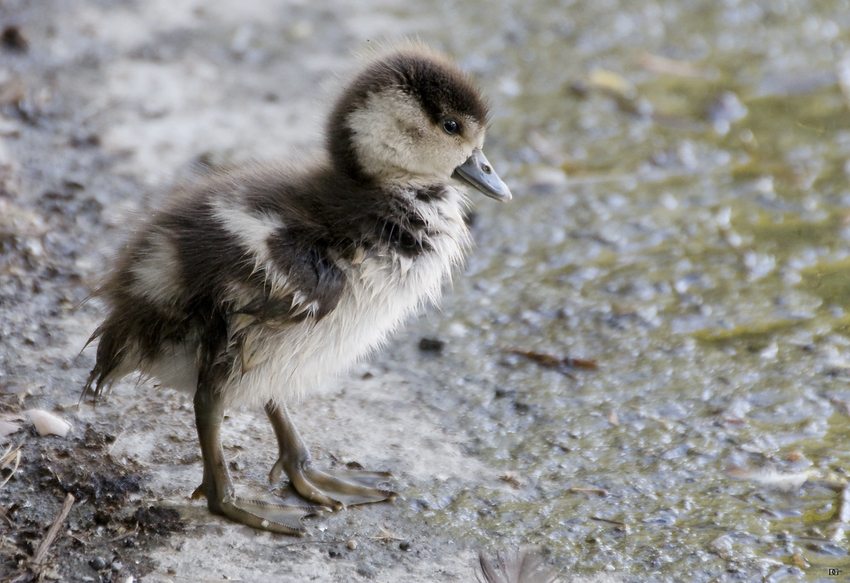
(434, 345)
(98, 563)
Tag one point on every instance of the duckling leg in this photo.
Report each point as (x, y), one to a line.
(217, 486)
(335, 488)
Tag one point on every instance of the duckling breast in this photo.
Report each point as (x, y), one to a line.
(386, 283)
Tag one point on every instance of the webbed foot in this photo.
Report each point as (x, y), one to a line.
(337, 488)
(270, 515)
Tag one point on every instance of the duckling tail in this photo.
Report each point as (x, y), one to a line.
(110, 355)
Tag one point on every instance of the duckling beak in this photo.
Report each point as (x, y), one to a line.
(478, 173)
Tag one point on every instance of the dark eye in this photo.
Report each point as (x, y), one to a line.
(451, 127)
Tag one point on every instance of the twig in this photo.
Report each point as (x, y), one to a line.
(112, 445)
(601, 492)
(557, 362)
(54, 530)
(193, 578)
(608, 520)
(133, 532)
(312, 542)
(386, 536)
(6, 460)
(843, 514)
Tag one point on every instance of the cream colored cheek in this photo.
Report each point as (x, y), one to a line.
(452, 158)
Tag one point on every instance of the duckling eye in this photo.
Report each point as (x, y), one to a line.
(451, 127)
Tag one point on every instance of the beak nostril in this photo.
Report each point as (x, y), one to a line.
(487, 169)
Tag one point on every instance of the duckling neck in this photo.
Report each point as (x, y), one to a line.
(405, 217)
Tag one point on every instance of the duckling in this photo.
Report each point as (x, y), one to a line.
(257, 284)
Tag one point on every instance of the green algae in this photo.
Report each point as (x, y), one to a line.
(702, 264)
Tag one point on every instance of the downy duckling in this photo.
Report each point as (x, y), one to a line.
(258, 284)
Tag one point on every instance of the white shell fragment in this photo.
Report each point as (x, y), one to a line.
(47, 423)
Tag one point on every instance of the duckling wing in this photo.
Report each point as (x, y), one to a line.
(305, 285)
(255, 262)
(287, 307)
(212, 257)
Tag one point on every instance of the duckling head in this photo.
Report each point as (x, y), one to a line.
(413, 118)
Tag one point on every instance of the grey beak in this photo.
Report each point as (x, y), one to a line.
(478, 173)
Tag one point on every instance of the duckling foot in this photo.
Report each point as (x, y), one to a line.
(217, 486)
(276, 517)
(336, 488)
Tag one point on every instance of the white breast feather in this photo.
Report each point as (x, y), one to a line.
(382, 291)
(379, 296)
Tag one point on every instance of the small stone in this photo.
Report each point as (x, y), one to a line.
(12, 39)
(431, 345)
(502, 392)
(98, 563)
(351, 544)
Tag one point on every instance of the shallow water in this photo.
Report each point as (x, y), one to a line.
(688, 230)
